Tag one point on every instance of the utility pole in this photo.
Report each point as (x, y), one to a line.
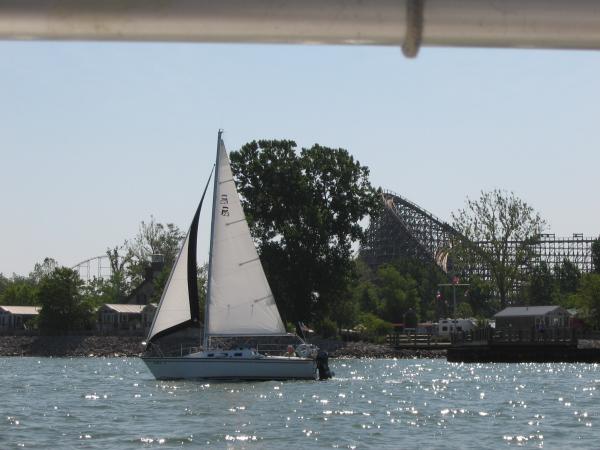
(455, 282)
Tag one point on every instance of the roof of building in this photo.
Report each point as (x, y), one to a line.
(21, 310)
(526, 311)
(124, 308)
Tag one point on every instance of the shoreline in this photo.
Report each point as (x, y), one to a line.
(131, 346)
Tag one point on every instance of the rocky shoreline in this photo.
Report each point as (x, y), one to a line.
(368, 350)
(70, 346)
(120, 346)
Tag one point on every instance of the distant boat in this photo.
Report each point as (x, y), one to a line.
(239, 302)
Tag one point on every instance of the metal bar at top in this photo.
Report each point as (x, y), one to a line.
(568, 24)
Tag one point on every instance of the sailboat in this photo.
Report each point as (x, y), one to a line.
(239, 302)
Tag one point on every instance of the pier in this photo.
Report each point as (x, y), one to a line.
(506, 345)
(417, 341)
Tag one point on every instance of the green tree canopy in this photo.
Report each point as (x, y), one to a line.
(541, 287)
(480, 296)
(19, 291)
(587, 299)
(4, 282)
(22, 291)
(304, 211)
(63, 307)
(398, 294)
(464, 310)
(568, 276)
(495, 222)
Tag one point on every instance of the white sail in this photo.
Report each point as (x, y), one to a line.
(174, 306)
(240, 301)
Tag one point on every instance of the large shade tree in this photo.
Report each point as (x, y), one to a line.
(504, 228)
(304, 210)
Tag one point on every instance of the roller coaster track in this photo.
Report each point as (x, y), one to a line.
(405, 230)
(96, 267)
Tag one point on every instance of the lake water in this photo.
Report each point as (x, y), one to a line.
(426, 404)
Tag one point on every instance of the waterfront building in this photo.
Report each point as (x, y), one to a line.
(116, 317)
(532, 317)
(16, 317)
(120, 317)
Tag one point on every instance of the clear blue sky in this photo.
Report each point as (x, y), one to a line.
(95, 137)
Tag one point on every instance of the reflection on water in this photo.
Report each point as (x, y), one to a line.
(115, 403)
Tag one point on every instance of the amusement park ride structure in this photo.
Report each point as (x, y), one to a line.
(407, 231)
(96, 267)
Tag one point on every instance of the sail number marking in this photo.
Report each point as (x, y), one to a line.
(224, 201)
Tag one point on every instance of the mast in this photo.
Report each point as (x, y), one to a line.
(212, 231)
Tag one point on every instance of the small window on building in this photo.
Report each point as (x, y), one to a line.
(237, 354)
(444, 328)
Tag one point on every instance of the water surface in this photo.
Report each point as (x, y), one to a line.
(113, 403)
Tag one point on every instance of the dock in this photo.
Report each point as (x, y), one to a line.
(512, 346)
(417, 341)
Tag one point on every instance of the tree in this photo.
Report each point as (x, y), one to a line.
(568, 276)
(118, 286)
(541, 287)
(596, 255)
(304, 212)
(504, 228)
(480, 296)
(365, 293)
(113, 289)
(427, 277)
(587, 299)
(40, 270)
(398, 294)
(19, 291)
(152, 239)
(464, 310)
(63, 307)
(374, 328)
(4, 283)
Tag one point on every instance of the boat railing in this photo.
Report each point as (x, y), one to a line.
(187, 350)
(272, 349)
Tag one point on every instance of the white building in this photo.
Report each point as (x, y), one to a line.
(123, 317)
(16, 317)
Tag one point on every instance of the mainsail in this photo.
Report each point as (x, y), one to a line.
(240, 301)
(179, 305)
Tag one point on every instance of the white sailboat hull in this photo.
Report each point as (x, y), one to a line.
(267, 368)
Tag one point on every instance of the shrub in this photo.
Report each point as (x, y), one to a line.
(327, 328)
(373, 328)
